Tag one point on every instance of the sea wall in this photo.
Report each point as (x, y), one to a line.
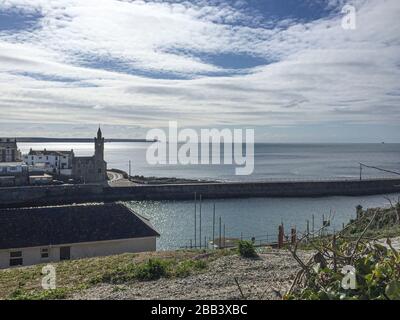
(53, 195)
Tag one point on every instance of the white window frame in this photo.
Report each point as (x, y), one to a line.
(45, 250)
(20, 256)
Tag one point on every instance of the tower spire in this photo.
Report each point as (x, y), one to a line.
(99, 133)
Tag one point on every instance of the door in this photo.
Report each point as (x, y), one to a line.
(65, 253)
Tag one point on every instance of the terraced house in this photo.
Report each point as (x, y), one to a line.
(49, 161)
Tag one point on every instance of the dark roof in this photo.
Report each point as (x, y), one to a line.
(31, 227)
(49, 152)
(8, 142)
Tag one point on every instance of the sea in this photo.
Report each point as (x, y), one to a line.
(256, 218)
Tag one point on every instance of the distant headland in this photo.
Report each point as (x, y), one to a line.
(75, 140)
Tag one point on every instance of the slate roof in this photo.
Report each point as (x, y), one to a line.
(31, 227)
(49, 153)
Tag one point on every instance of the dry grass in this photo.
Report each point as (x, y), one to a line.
(81, 274)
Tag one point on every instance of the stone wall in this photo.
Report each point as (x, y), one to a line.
(51, 195)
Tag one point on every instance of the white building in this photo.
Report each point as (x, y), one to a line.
(39, 235)
(59, 162)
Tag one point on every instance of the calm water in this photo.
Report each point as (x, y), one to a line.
(256, 217)
(252, 217)
(272, 161)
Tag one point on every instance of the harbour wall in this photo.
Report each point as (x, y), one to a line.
(59, 195)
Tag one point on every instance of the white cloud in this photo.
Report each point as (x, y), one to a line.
(323, 73)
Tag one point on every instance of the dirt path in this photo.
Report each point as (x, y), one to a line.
(263, 278)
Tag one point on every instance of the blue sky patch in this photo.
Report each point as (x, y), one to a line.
(299, 10)
(14, 21)
(117, 65)
(234, 60)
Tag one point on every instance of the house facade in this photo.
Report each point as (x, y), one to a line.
(59, 162)
(9, 151)
(91, 169)
(39, 235)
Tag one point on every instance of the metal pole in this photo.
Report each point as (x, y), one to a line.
(200, 222)
(360, 171)
(220, 233)
(224, 235)
(213, 229)
(195, 221)
(129, 170)
(313, 226)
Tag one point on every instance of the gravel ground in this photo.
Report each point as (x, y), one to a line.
(263, 278)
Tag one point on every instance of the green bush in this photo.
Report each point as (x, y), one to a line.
(185, 268)
(247, 250)
(152, 270)
(377, 273)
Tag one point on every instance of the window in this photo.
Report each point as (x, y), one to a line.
(44, 253)
(16, 258)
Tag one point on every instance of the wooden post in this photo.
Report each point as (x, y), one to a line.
(280, 236)
(334, 253)
(293, 236)
(191, 244)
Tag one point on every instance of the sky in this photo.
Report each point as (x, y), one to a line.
(286, 68)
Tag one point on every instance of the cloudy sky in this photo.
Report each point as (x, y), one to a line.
(284, 67)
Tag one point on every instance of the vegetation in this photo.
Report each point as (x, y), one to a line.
(377, 271)
(75, 275)
(55, 294)
(246, 249)
(387, 224)
(376, 267)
